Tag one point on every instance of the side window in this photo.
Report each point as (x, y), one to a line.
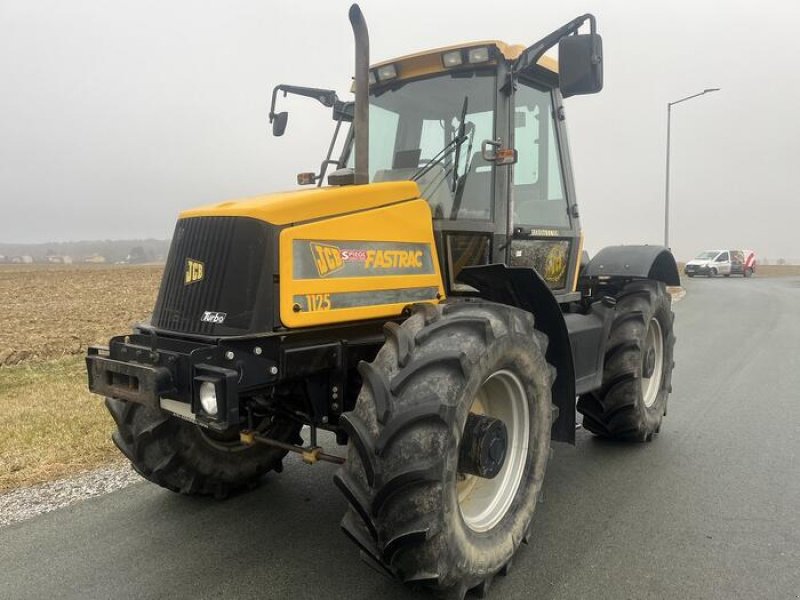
(722, 257)
(383, 136)
(538, 186)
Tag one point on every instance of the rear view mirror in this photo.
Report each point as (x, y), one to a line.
(580, 64)
(279, 121)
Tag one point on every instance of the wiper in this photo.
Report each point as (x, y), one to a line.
(455, 143)
(461, 133)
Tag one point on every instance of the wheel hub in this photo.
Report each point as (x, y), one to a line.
(494, 443)
(483, 446)
(649, 363)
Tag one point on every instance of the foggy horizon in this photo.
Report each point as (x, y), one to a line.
(118, 116)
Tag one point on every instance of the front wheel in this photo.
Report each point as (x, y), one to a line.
(188, 459)
(748, 272)
(637, 375)
(449, 441)
(713, 272)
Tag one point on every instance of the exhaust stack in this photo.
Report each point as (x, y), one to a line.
(361, 113)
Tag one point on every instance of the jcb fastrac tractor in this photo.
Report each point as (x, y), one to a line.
(430, 305)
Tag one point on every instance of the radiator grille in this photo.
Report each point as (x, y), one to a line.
(219, 265)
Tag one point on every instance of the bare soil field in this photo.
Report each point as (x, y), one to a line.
(778, 270)
(50, 425)
(52, 311)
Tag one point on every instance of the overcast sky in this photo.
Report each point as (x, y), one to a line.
(114, 116)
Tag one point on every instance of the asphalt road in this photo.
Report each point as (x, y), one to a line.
(710, 509)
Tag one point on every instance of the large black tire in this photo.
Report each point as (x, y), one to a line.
(621, 408)
(184, 458)
(401, 473)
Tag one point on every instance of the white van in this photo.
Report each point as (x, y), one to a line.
(722, 262)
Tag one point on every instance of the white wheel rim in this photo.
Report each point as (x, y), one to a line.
(654, 342)
(484, 502)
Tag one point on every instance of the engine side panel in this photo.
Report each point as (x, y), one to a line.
(363, 265)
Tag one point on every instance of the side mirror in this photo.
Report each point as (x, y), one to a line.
(580, 64)
(279, 121)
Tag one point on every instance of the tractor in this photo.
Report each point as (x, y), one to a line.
(426, 299)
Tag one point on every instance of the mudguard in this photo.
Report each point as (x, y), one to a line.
(634, 262)
(524, 288)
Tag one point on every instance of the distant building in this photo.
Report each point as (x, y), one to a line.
(56, 259)
(95, 259)
(22, 260)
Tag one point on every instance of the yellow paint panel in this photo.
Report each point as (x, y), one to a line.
(577, 263)
(305, 205)
(404, 225)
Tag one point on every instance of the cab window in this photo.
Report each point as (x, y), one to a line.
(723, 257)
(538, 187)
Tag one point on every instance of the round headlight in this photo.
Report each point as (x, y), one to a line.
(208, 397)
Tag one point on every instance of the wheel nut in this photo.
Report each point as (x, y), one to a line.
(273, 370)
(229, 355)
(257, 351)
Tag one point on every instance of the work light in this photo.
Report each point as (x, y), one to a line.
(452, 59)
(478, 55)
(387, 72)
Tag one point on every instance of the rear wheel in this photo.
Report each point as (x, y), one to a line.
(449, 441)
(748, 272)
(188, 459)
(637, 376)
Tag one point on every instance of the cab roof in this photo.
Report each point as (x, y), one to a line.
(428, 62)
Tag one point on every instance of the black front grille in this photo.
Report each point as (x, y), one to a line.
(218, 265)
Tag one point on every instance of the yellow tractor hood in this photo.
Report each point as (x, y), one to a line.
(298, 206)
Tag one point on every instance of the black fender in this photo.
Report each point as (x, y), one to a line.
(633, 262)
(524, 288)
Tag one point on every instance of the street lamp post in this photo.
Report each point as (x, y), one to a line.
(666, 190)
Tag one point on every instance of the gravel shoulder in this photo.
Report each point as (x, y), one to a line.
(26, 503)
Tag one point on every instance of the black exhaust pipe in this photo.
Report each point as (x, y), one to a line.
(361, 113)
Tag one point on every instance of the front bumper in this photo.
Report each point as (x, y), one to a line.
(696, 270)
(164, 372)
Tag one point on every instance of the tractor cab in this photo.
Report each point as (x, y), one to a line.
(480, 128)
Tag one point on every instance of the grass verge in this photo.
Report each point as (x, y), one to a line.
(50, 425)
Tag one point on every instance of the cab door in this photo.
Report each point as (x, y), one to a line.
(545, 229)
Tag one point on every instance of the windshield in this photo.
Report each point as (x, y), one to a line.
(411, 124)
(707, 255)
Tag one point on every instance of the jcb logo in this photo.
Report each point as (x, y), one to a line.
(194, 271)
(328, 259)
(555, 264)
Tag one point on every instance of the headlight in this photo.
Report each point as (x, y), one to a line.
(208, 398)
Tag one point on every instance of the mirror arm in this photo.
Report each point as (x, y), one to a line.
(325, 97)
(323, 168)
(533, 53)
